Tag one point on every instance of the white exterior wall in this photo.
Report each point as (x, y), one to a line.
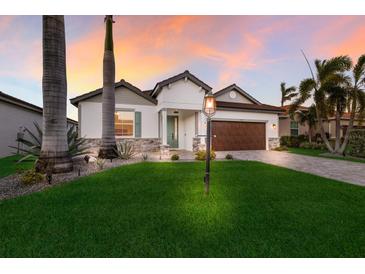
(181, 95)
(91, 113)
(268, 118)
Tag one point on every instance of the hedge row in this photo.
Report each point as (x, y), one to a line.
(356, 145)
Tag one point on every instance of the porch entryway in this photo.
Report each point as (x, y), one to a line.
(180, 128)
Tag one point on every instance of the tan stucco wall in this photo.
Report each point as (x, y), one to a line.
(284, 127)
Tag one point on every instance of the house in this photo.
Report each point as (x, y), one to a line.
(291, 127)
(169, 115)
(15, 116)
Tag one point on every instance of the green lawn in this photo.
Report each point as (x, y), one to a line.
(8, 165)
(159, 210)
(318, 152)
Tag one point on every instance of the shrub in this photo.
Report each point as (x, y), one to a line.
(32, 142)
(100, 162)
(201, 154)
(175, 157)
(229, 157)
(125, 150)
(306, 145)
(144, 156)
(31, 177)
(281, 148)
(292, 141)
(356, 145)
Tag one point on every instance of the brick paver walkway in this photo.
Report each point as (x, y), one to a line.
(346, 171)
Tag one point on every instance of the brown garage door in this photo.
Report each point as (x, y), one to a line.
(238, 136)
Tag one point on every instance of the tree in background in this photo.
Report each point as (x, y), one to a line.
(287, 93)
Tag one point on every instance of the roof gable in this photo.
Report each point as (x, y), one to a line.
(185, 75)
(236, 88)
(121, 83)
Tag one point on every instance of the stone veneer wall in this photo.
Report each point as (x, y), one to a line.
(140, 144)
(274, 143)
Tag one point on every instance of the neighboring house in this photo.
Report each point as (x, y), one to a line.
(170, 115)
(330, 125)
(291, 127)
(15, 115)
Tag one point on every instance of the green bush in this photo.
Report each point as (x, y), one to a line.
(281, 148)
(31, 177)
(292, 141)
(308, 145)
(125, 150)
(229, 157)
(356, 145)
(175, 157)
(201, 154)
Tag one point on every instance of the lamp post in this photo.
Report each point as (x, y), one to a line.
(209, 109)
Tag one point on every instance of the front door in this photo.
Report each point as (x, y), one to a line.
(172, 131)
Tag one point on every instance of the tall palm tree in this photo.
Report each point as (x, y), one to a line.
(54, 156)
(336, 102)
(329, 73)
(108, 144)
(287, 93)
(308, 117)
(356, 97)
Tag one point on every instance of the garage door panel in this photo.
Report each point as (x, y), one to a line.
(229, 135)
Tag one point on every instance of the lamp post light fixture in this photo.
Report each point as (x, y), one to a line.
(209, 109)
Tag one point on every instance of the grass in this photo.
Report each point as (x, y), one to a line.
(318, 153)
(8, 165)
(159, 210)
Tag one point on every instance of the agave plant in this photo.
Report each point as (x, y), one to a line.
(125, 150)
(33, 143)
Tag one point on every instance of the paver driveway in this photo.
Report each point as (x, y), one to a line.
(346, 171)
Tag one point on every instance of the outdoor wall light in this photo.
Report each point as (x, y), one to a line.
(274, 126)
(209, 109)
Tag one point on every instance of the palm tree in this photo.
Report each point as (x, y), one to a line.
(336, 102)
(329, 74)
(287, 93)
(108, 144)
(307, 117)
(54, 155)
(356, 98)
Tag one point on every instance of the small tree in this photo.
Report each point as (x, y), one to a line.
(287, 93)
(307, 117)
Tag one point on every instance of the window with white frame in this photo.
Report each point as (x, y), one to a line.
(294, 128)
(124, 123)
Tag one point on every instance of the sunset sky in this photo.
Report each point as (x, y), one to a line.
(255, 52)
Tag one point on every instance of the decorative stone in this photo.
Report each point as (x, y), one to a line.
(164, 152)
(141, 145)
(274, 143)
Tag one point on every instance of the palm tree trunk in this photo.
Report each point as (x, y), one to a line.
(310, 134)
(349, 128)
(323, 133)
(54, 156)
(338, 131)
(108, 144)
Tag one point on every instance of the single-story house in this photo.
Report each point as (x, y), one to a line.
(291, 127)
(170, 115)
(15, 116)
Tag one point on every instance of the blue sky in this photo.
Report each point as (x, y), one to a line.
(255, 52)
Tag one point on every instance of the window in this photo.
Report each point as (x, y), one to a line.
(294, 131)
(124, 123)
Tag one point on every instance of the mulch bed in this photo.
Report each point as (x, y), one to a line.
(11, 186)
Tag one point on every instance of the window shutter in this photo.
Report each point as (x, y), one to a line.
(138, 124)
